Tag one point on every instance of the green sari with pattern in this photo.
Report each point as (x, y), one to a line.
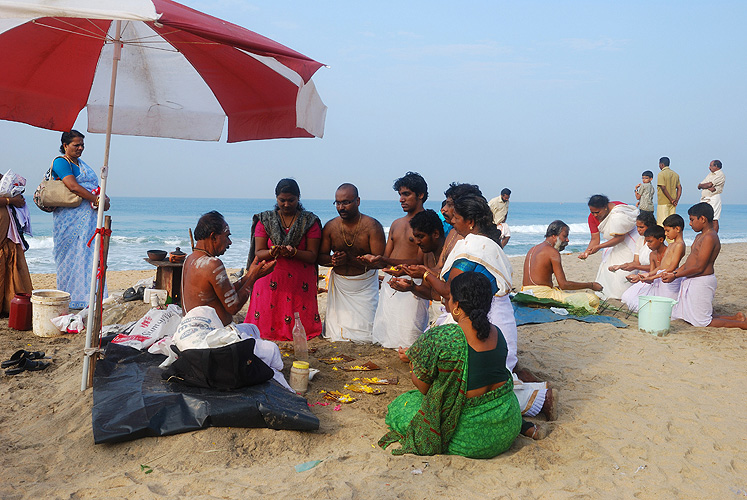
(444, 420)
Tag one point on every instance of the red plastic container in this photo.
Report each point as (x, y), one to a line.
(20, 312)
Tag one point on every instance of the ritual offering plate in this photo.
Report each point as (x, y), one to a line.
(364, 389)
(377, 380)
(367, 366)
(338, 397)
(341, 358)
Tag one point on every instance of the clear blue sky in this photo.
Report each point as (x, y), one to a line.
(556, 100)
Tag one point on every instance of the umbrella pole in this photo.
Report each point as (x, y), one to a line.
(94, 310)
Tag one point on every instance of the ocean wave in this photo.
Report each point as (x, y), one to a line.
(40, 242)
(542, 228)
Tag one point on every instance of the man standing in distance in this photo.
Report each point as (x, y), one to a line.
(668, 190)
(353, 285)
(711, 189)
(499, 207)
(401, 316)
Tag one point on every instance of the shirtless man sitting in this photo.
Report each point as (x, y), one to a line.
(695, 300)
(353, 285)
(205, 283)
(204, 278)
(543, 261)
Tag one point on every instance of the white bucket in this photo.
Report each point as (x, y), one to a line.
(654, 314)
(48, 304)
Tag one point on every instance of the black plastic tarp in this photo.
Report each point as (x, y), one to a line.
(130, 401)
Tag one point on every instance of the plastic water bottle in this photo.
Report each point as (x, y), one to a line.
(300, 348)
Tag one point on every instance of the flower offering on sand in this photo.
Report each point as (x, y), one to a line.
(364, 389)
(367, 366)
(377, 380)
(341, 358)
(338, 397)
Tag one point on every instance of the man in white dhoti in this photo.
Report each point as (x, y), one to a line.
(616, 222)
(695, 300)
(206, 288)
(401, 317)
(711, 189)
(353, 291)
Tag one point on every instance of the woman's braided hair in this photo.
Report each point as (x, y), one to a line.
(473, 293)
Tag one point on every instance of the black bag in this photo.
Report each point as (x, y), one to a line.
(222, 368)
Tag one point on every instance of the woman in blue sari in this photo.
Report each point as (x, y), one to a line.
(74, 226)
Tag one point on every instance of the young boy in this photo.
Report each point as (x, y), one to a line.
(695, 300)
(654, 237)
(644, 193)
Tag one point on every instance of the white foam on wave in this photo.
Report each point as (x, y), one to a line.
(542, 228)
(40, 242)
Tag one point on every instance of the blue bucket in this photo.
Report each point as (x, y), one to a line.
(654, 314)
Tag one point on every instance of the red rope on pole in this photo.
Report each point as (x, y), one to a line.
(103, 232)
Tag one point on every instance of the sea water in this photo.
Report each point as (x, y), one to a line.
(142, 224)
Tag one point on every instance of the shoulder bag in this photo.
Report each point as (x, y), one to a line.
(51, 194)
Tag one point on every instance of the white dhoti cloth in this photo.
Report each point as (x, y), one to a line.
(351, 307)
(401, 317)
(695, 300)
(620, 220)
(715, 201)
(657, 288)
(531, 396)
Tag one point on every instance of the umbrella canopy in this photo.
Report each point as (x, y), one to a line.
(181, 72)
(175, 72)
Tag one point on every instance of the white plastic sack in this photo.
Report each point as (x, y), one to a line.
(201, 328)
(156, 323)
(12, 184)
(69, 323)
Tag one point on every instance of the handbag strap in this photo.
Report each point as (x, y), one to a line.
(48, 175)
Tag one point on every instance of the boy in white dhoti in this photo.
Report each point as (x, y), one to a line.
(616, 222)
(663, 259)
(695, 300)
(353, 288)
(711, 189)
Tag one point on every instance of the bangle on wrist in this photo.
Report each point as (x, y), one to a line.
(425, 275)
(295, 251)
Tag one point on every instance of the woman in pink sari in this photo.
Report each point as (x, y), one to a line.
(291, 235)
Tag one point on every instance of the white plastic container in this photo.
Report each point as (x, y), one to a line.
(149, 292)
(48, 304)
(299, 377)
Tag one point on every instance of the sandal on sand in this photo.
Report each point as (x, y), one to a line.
(20, 355)
(131, 294)
(533, 431)
(29, 365)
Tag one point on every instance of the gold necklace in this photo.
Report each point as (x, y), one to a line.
(355, 235)
(71, 160)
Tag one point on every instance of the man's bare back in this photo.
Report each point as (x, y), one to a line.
(205, 280)
(349, 241)
(705, 248)
(538, 265)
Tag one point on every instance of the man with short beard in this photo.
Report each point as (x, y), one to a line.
(353, 286)
(543, 260)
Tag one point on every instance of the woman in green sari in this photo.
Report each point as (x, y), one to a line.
(464, 402)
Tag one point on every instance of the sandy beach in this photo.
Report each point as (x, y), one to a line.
(639, 417)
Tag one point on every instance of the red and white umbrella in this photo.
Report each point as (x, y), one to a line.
(152, 68)
(181, 72)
